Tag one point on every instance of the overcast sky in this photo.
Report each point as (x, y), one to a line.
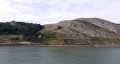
(53, 11)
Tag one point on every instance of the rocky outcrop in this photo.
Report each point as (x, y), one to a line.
(102, 23)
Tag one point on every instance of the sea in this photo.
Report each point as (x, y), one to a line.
(59, 55)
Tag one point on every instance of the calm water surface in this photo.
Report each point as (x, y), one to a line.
(59, 55)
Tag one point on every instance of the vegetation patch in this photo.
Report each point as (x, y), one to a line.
(11, 36)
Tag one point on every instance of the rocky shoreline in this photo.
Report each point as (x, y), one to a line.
(47, 45)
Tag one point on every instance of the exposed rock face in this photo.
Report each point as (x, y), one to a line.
(86, 27)
(103, 23)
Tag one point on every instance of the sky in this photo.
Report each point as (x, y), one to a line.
(53, 11)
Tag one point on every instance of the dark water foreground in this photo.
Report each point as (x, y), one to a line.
(59, 55)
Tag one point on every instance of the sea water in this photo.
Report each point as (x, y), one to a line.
(59, 55)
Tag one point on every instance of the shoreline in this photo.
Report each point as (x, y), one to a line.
(43, 45)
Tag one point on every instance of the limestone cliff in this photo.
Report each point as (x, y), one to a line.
(85, 28)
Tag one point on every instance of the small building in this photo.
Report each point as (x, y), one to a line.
(39, 36)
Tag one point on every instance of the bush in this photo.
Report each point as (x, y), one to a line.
(59, 27)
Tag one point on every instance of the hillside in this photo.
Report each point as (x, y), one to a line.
(82, 31)
(85, 28)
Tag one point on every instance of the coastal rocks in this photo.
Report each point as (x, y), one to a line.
(4, 40)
